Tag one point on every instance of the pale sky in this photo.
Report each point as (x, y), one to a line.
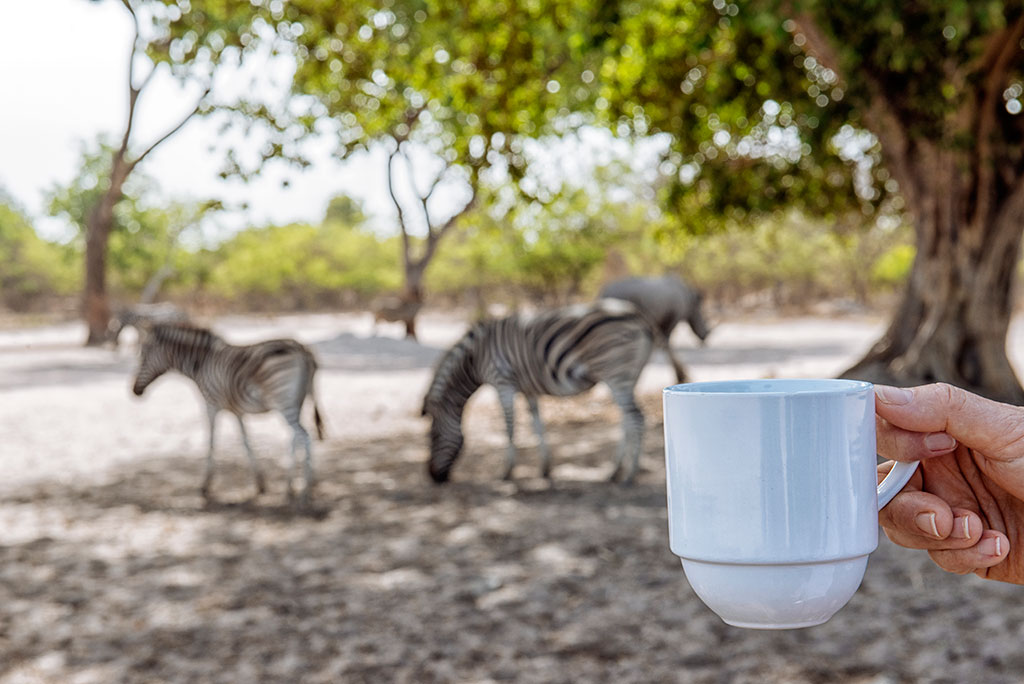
(63, 80)
(63, 76)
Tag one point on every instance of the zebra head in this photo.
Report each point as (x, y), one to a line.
(455, 380)
(445, 446)
(154, 361)
(696, 320)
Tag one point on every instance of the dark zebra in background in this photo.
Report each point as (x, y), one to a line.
(272, 375)
(667, 301)
(559, 353)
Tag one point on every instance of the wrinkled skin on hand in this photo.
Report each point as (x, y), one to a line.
(965, 503)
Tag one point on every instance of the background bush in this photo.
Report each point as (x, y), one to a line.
(545, 254)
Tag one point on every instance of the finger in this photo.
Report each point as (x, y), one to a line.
(972, 420)
(903, 445)
(991, 549)
(919, 520)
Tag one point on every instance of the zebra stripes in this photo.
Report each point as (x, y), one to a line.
(272, 375)
(557, 353)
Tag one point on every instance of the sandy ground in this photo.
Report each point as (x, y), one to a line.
(113, 570)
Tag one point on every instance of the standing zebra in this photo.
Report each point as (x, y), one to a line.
(272, 375)
(559, 353)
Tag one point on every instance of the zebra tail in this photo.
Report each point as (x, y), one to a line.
(312, 397)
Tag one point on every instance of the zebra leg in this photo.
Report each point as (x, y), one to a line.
(257, 473)
(299, 435)
(507, 397)
(538, 427)
(632, 436)
(211, 414)
(677, 365)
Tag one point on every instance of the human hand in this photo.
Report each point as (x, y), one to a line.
(965, 503)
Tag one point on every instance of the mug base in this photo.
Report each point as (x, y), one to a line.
(776, 596)
(767, 625)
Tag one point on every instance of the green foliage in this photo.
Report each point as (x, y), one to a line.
(796, 261)
(303, 266)
(893, 267)
(547, 252)
(34, 271)
(758, 123)
(144, 239)
(461, 72)
(345, 210)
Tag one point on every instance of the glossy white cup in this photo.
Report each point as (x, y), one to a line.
(772, 496)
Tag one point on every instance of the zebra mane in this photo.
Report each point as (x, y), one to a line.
(456, 376)
(183, 334)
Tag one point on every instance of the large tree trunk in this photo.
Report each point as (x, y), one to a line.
(952, 323)
(962, 179)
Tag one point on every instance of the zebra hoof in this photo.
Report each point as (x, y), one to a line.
(626, 480)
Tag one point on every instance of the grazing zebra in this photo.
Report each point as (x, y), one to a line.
(666, 301)
(559, 353)
(272, 375)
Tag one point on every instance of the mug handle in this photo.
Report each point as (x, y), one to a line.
(897, 478)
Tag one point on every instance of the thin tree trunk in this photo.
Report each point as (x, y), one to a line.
(412, 295)
(96, 307)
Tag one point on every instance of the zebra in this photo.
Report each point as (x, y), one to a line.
(144, 314)
(271, 375)
(667, 301)
(561, 352)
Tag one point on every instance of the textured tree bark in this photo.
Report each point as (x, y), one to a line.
(95, 305)
(953, 320)
(94, 302)
(412, 296)
(962, 178)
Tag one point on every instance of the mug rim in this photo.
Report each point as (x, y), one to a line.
(770, 387)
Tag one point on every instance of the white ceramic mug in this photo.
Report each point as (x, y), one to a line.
(772, 495)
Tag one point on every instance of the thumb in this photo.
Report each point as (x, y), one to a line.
(996, 429)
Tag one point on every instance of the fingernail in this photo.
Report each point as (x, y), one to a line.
(961, 527)
(893, 395)
(926, 523)
(939, 442)
(991, 546)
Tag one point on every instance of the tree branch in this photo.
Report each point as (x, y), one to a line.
(173, 130)
(133, 92)
(425, 198)
(817, 44)
(435, 237)
(880, 116)
(998, 56)
(406, 245)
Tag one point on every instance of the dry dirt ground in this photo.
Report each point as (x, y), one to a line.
(113, 570)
